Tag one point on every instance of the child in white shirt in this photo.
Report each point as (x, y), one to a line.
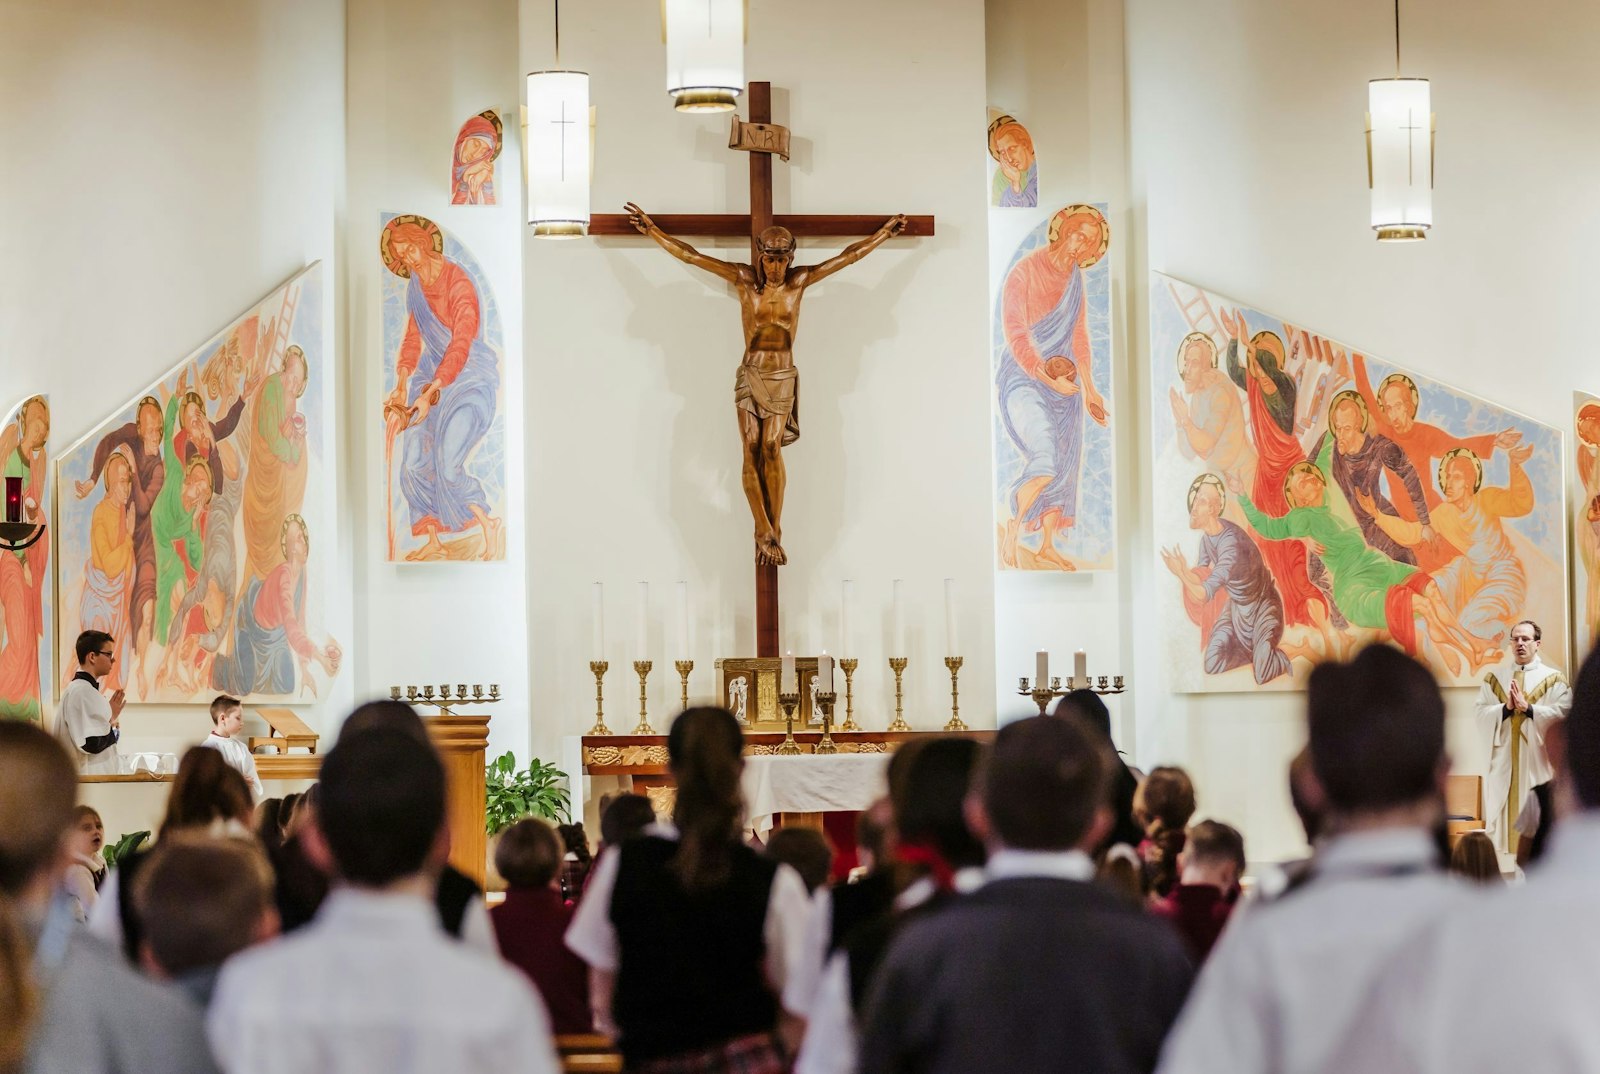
(227, 719)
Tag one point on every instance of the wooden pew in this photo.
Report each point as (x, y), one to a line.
(589, 1053)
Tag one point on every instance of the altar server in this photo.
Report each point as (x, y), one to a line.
(88, 722)
(1282, 987)
(227, 725)
(1517, 704)
(1507, 983)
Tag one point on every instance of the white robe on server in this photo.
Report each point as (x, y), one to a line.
(238, 756)
(1549, 700)
(83, 723)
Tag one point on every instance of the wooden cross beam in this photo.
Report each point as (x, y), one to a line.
(752, 224)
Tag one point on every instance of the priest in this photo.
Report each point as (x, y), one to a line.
(1517, 704)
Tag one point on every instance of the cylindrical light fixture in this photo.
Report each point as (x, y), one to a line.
(1400, 158)
(558, 153)
(705, 53)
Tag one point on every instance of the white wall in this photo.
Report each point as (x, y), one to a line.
(162, 166)
(1248, 175)
(417, 71)
(633, 454)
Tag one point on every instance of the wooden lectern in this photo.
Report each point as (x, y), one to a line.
(462, 742)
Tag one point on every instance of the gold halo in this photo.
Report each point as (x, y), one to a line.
(305, 365)
(186, 399)
(1054, 230)
(994, 129)
(22, 411)
(117, 455)
(1361, 405)
(391, 262)
(1411, 386)
(1477, 466)
(1197, 337)
(499, 130)
(1587, 412)
(1301, 468)
(1260, 340)
(283, 534)
(1206, 479)
(148, 400)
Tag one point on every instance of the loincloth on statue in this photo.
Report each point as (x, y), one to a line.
(770, 393)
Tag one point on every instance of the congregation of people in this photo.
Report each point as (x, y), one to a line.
(1029, 903)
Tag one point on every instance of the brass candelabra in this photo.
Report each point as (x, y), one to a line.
(789, 747)
(599, 668)
(898, 665)
(642, 669)
(684, 667)
(424, 695)
(826, 701)
(848, 665)
(955, 724)
(1042, 695)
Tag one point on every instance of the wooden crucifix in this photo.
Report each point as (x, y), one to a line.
(770, 289)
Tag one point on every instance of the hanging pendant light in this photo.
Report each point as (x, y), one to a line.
(705, 53)
(557, 138)
(1400, 153)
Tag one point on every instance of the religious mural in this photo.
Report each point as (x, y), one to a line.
(26, 594)
(443, 412)
(195, 525)
(1013, 167)
(1586, 521)
(1309, 499)
(478, 146)
(1053, 397)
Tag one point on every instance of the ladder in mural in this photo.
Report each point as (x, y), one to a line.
(1197, 321)
(280, 328)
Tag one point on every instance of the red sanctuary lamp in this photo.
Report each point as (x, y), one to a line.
(15, 534)
(13, 499)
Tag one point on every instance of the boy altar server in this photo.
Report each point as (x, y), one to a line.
(88, 722)
(1517, 703)
(227, 724)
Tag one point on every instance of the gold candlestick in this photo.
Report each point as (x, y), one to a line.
(848, 665)
(642, 667)
(898, 664)
(789, 702)
(684, 667)
(826, 701)
(599, 668)
(955, 724)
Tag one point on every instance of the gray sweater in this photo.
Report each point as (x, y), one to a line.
(1026, 975)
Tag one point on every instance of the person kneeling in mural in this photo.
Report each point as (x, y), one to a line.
(271, 639)
(1372, 590)
(1229, 593)
(88, 722)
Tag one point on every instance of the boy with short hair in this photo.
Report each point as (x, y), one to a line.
(227, 722)
(1209, 868)
(87, 721)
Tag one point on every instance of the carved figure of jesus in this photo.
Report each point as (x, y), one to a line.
(766, 389)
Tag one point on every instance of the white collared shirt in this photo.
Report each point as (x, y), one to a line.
(375, 984)
(1008, 863)
(1507, 983)
(239, 757)
(1284, 982)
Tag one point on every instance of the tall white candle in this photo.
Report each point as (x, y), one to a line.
(787, 683)
(1080, 668)
(825, 673)
(598, 644)
(952, 643)
(1041, 673)
(847, 641)
(898, 621)
(683, 621)
(642, 636)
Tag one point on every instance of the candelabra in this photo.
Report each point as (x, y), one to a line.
(424, 696)
(684, 667)
(848, 665)
(1042, 695)
(955, 724)
(789, 702)
(599, 668)
(642, 669)
(898, 665)
(825, 744)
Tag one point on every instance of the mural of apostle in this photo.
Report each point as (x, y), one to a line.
(1229, 593)
(478, 146)
(1210, 420)
(22, 573)
(1360, 461)
(1016, 175)
(1046, 378)
(446, 393)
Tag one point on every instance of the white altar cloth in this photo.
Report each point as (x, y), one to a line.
(810, 784)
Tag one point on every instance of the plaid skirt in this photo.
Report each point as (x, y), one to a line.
(756, 1054)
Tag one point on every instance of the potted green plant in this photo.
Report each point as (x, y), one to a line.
(540, 790)
(123, 847)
